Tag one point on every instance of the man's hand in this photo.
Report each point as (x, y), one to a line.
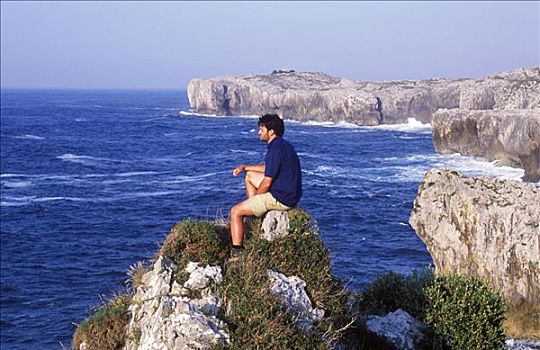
(239, 170)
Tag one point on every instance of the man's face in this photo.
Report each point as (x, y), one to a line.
(264, 133)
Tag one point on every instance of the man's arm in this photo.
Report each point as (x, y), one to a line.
(265, 185)
(245, 167)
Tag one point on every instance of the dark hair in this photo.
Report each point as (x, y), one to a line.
(273, 122)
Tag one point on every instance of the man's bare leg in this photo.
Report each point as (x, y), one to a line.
(238, 212)
(253, 180)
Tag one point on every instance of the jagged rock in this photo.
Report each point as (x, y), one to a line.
(510, 136)
(515, 344)
(165, 315)
(292, 294)
(320, 97)
(484, 227)
(398, 328)
(275, 224)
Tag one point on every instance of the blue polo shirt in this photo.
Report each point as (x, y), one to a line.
(283, 166)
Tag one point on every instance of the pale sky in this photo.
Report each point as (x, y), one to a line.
(164, 44)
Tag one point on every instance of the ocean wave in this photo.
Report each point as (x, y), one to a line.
(187, 113)
(87, 160)
(16, 184)
(29, 137)
(14, 175)
(413, 168)
(10, 201)
(136, 173)
(193, 178)
(412, 125)
(243, 151)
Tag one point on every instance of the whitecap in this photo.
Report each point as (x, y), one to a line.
(413, 168)
(192, 178)
(136, 173)
(14, 175)
(29, 137)
(16, 184)
(197, 114)
(412, 125)
(243, 151)
(86, 160)
(188, 113)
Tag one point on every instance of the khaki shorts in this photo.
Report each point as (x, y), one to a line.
(262, 203)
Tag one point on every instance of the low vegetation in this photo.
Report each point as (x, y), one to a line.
(106, 328)
(467, 312)
(257, 320)
(464, 312)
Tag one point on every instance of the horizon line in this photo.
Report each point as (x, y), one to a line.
(93, 88)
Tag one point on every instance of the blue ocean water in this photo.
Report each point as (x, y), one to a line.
(92, 181)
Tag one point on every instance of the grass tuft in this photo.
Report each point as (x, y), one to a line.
(199, 241)
(106, 328)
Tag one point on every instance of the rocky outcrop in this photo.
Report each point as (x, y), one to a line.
(167, 315)
(511, 136)
(320, 97)
(399, 329)
(484, 227)
(292, 294)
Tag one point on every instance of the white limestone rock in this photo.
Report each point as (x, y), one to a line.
(511, 136)
(275, 224)
(167, 316)
(515, 344)
(398, 328)
(484, 227)
(309, 96)
(292, 294)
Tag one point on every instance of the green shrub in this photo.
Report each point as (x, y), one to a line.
(196, 240)
(106, 328)
(393, 291)
(300, 222)
(467, 311)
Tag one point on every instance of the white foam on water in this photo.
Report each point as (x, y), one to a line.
(412, 125)
(136, 173)
(413, 168)
(243, 151)
(29, 137)
(188, 113)
(14, 175)
(341, 124)
(16, 184)
(197, 114)
(86, 160)
(193, 178)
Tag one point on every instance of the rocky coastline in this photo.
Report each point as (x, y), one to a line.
(488, 228)
(308, 96)
(450, 105)
(191, 296)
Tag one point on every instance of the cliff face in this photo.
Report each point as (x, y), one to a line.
(484, 227)
(320, 97)
(511, 136)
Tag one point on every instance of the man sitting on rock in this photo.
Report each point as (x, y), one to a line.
(274, 185)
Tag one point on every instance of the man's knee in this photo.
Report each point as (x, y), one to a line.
(249, 176)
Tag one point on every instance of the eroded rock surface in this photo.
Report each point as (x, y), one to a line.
(484, 227)
(510, 136)
(292, 294)
(323, 98)
(166, 315)
(398, 328)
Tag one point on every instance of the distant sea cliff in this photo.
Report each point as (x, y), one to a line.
(497, 117)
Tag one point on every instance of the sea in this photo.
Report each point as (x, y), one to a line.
(93, 180)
